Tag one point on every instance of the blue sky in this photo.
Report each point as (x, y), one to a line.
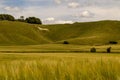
(63, 11)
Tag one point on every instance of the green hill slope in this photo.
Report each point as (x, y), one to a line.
(100, 32)
(19, 33)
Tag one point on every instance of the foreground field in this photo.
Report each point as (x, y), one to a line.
(59, 66)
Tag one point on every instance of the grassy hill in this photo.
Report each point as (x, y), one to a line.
(19, 33)
(100, 32)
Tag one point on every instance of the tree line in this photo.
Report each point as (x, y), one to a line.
(32, 20)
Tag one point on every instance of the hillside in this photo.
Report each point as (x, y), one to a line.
(19, 33)
(100, 32)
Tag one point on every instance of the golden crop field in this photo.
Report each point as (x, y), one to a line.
(59, 66)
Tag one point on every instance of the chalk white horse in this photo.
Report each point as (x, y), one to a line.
(42, 29)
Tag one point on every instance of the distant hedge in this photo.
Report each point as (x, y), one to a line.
(6, 17)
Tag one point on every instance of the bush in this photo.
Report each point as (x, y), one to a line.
(6, 17)
(93, 49)
(33, 20)
(65, 42)
(113, 42)
(108, 49)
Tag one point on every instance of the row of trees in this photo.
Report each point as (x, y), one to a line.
(32, 20)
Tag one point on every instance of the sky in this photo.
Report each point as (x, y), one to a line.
(63, 11)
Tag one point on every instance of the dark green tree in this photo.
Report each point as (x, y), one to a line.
(6, 17)
(33, 20)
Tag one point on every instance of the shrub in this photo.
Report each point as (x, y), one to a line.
(113, 42)
(108, 49)
(93, 49)
(65, 42)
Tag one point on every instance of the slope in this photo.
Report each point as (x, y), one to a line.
(19, 33)
(100, 32)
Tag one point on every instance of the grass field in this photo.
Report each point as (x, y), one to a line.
(59, 66)
(89, 33)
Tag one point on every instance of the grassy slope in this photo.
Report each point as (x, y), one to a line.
(15, 33)
(100, 32)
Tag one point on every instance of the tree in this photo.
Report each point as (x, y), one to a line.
(21, 19)
(33, 20)
(6, 17)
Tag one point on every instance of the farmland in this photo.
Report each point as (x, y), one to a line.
(29, 53)
(57, 48)
(47, 62)
(59, 66)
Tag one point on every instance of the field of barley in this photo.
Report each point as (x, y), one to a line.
(59, 66)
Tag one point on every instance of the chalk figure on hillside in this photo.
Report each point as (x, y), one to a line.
(93, 49)
(108, 49)
(42, 29)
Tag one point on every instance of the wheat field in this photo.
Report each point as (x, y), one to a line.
(59, 66)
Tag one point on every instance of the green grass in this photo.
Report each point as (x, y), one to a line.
(89, 33)
(59, 66)
(19, 33)
(96, 33)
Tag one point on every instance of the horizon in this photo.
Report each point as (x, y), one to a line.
(63, 11)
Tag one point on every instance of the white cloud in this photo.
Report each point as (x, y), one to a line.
(8, 8)
(106, 13)
(63, 22)
(50, 19)
(55, 12)
(57, 1)
(73, 5)
(61, 1)
(85, 14)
